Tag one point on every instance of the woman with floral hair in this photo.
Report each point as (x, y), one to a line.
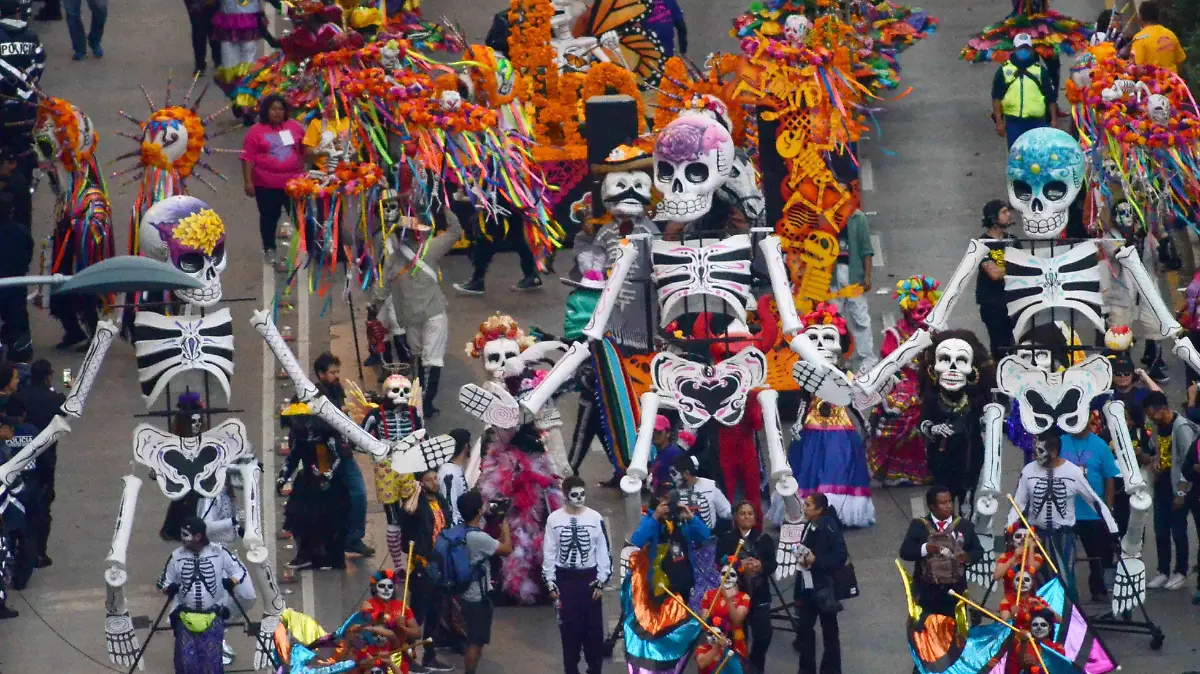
(896, 452)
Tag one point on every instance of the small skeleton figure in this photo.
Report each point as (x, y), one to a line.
(576, 565)
(199, 576)
(796, 29)
(396, 417)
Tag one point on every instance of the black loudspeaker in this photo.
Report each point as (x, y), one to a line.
(609, 121)
(772, 167)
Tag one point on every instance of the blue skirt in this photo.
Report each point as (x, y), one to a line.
(834, 462)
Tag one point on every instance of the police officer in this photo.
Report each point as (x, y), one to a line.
(22, 60)
(1023, 93)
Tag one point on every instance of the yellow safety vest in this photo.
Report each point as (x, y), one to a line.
(1024, 97)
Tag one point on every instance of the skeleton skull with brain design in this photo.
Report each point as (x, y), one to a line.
(1045, 173)
(693, 157)
(185, 233)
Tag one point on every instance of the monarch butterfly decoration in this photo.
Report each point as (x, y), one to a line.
(641, 49)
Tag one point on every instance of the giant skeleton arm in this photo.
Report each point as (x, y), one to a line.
(121, 642)
(407, 455)
(258, 556)
(1128, 258)
(987, 494)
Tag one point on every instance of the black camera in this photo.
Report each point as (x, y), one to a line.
(677, 503)
(498, 507)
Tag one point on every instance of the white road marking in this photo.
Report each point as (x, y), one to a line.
(308, 593)
(866, 175)
(268, 426)
(308, 597)
(877, 246)
(917, 503)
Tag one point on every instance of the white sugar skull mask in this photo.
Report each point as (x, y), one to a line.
(693, 156)
(496, 353)
(390, 207)
(185, 233)
(953, 360)
(1045, 173)
(828, 341)
(385, 589)
(397, 389)
(1158, 109)
(626, 194)
(170, 135)
(1019, 538)
(795, 29)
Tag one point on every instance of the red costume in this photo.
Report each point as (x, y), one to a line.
(720, 607)
(738, 454)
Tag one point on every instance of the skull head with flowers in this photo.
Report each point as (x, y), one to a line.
(185, 233)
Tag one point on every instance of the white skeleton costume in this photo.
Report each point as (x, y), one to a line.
(1045, 173)
(199, 576)
(1047, 496)
(706, 497)
(576, 541)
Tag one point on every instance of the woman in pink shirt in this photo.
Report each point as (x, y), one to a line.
(272, 154)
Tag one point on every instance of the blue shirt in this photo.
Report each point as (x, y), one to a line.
(1096, 460)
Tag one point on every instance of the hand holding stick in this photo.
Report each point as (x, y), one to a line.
(1049, 559)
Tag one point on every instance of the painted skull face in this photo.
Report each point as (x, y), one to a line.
(795, 29)
(1041, 454)
(626, 195)
(169, 135)
(953, 360)
(577, 497)
(390, 207)
(1019, 537)
(693, 156)
(676, 477)
(1158, 109)
(185, 233)
(385, 589)
(1045, 173)
(1040, 627)
(729, 577)
(397, 389)
(496, 353)
(828, 341)
(1023, 581)
(1123, 215)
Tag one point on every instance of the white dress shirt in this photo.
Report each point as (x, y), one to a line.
(942, 526)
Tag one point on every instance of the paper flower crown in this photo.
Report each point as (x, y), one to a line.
(913, 289)
(498, 326)
(824, 314)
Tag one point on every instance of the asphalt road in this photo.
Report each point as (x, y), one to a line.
(934, 165)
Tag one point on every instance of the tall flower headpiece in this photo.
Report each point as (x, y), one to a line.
(824, 314)
(913, 289)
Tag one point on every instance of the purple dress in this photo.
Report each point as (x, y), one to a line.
(665, 18)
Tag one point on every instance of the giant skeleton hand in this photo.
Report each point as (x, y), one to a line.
(120, 640)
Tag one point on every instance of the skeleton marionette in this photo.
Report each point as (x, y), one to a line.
(395, 417)
(1045, 173)
(827, 453)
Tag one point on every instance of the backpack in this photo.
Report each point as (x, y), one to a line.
(450, 564)
(939, 569)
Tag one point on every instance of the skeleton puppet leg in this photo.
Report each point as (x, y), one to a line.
(987, 494)
(1129, 588)
(940, 314)
(563, 370)
(626, 254)
(257, 555)
(782, 480)
(639, 464)
(121, 642)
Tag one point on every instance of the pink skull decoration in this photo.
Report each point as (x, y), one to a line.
(185, 233)
(693, 156)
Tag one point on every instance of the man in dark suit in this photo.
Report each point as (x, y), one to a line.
(941, 546)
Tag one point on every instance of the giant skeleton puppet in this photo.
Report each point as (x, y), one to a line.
(694, 156)
(1045, 173)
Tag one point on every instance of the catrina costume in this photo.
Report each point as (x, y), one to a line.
(238, 25)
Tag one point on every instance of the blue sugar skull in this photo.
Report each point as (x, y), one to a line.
(1045, 173)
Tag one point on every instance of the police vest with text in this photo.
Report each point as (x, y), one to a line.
(1023, 97)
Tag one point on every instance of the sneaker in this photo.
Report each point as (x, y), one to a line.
(373, 360)
(528, 283)
(436, 665)
(1159, 374)
(199, 72)
(270, 257)
(1176, 581)
(6, 613)
(472, 287)
(98, 52)
(300, 563)
(42, 562)
(1157, 582)
(416, 668)
(79, 56)
(361, 549)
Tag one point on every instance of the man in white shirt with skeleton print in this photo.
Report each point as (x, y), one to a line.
(1046, 495)
(576, 564)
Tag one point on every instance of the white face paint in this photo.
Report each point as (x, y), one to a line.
(577, 497)
(952, 363)
(1023, 581)
(1040, 628)
(730, 584)
(676, 476)
(496, 353)
(385, 589)
(1041, 454)
(1019, 538)
(828, 341)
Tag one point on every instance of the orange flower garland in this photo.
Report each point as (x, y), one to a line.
(606, 79)
(350, 178)
(72, 150)
(679, 87)
(428, 112)
(152, 154)
(483, 77)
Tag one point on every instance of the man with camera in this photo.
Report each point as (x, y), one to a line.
(667, 533)
(480, 547)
